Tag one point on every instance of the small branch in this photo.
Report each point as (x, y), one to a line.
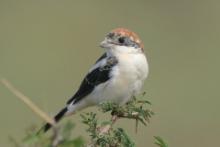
(57, 138)
(105, 129)
(28, 102)
(134, 109)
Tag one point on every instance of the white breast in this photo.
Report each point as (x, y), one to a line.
(129, 75)
(127, 79)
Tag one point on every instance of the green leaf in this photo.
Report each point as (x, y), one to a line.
(77, 142)
(66, 130)
(30, 139)
(124, 138)
(106, 123)
(159, 141)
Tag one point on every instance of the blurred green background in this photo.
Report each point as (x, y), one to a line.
(47, 46)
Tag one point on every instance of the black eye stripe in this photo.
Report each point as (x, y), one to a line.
(122, 40)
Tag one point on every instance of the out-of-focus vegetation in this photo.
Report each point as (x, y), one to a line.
(102, 134)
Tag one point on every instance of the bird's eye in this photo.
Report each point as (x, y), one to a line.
(121, 40)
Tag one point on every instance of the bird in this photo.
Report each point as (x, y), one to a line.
(117, 76)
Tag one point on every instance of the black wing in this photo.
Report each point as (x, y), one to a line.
(102, 57)
(95, 77)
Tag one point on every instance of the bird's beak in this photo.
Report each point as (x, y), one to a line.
(105, 44)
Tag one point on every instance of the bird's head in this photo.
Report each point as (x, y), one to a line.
(122, 40)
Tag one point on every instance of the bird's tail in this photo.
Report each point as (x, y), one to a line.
(57, 118)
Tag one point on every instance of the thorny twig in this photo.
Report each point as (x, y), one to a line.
(28, 102)
(56, 138)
